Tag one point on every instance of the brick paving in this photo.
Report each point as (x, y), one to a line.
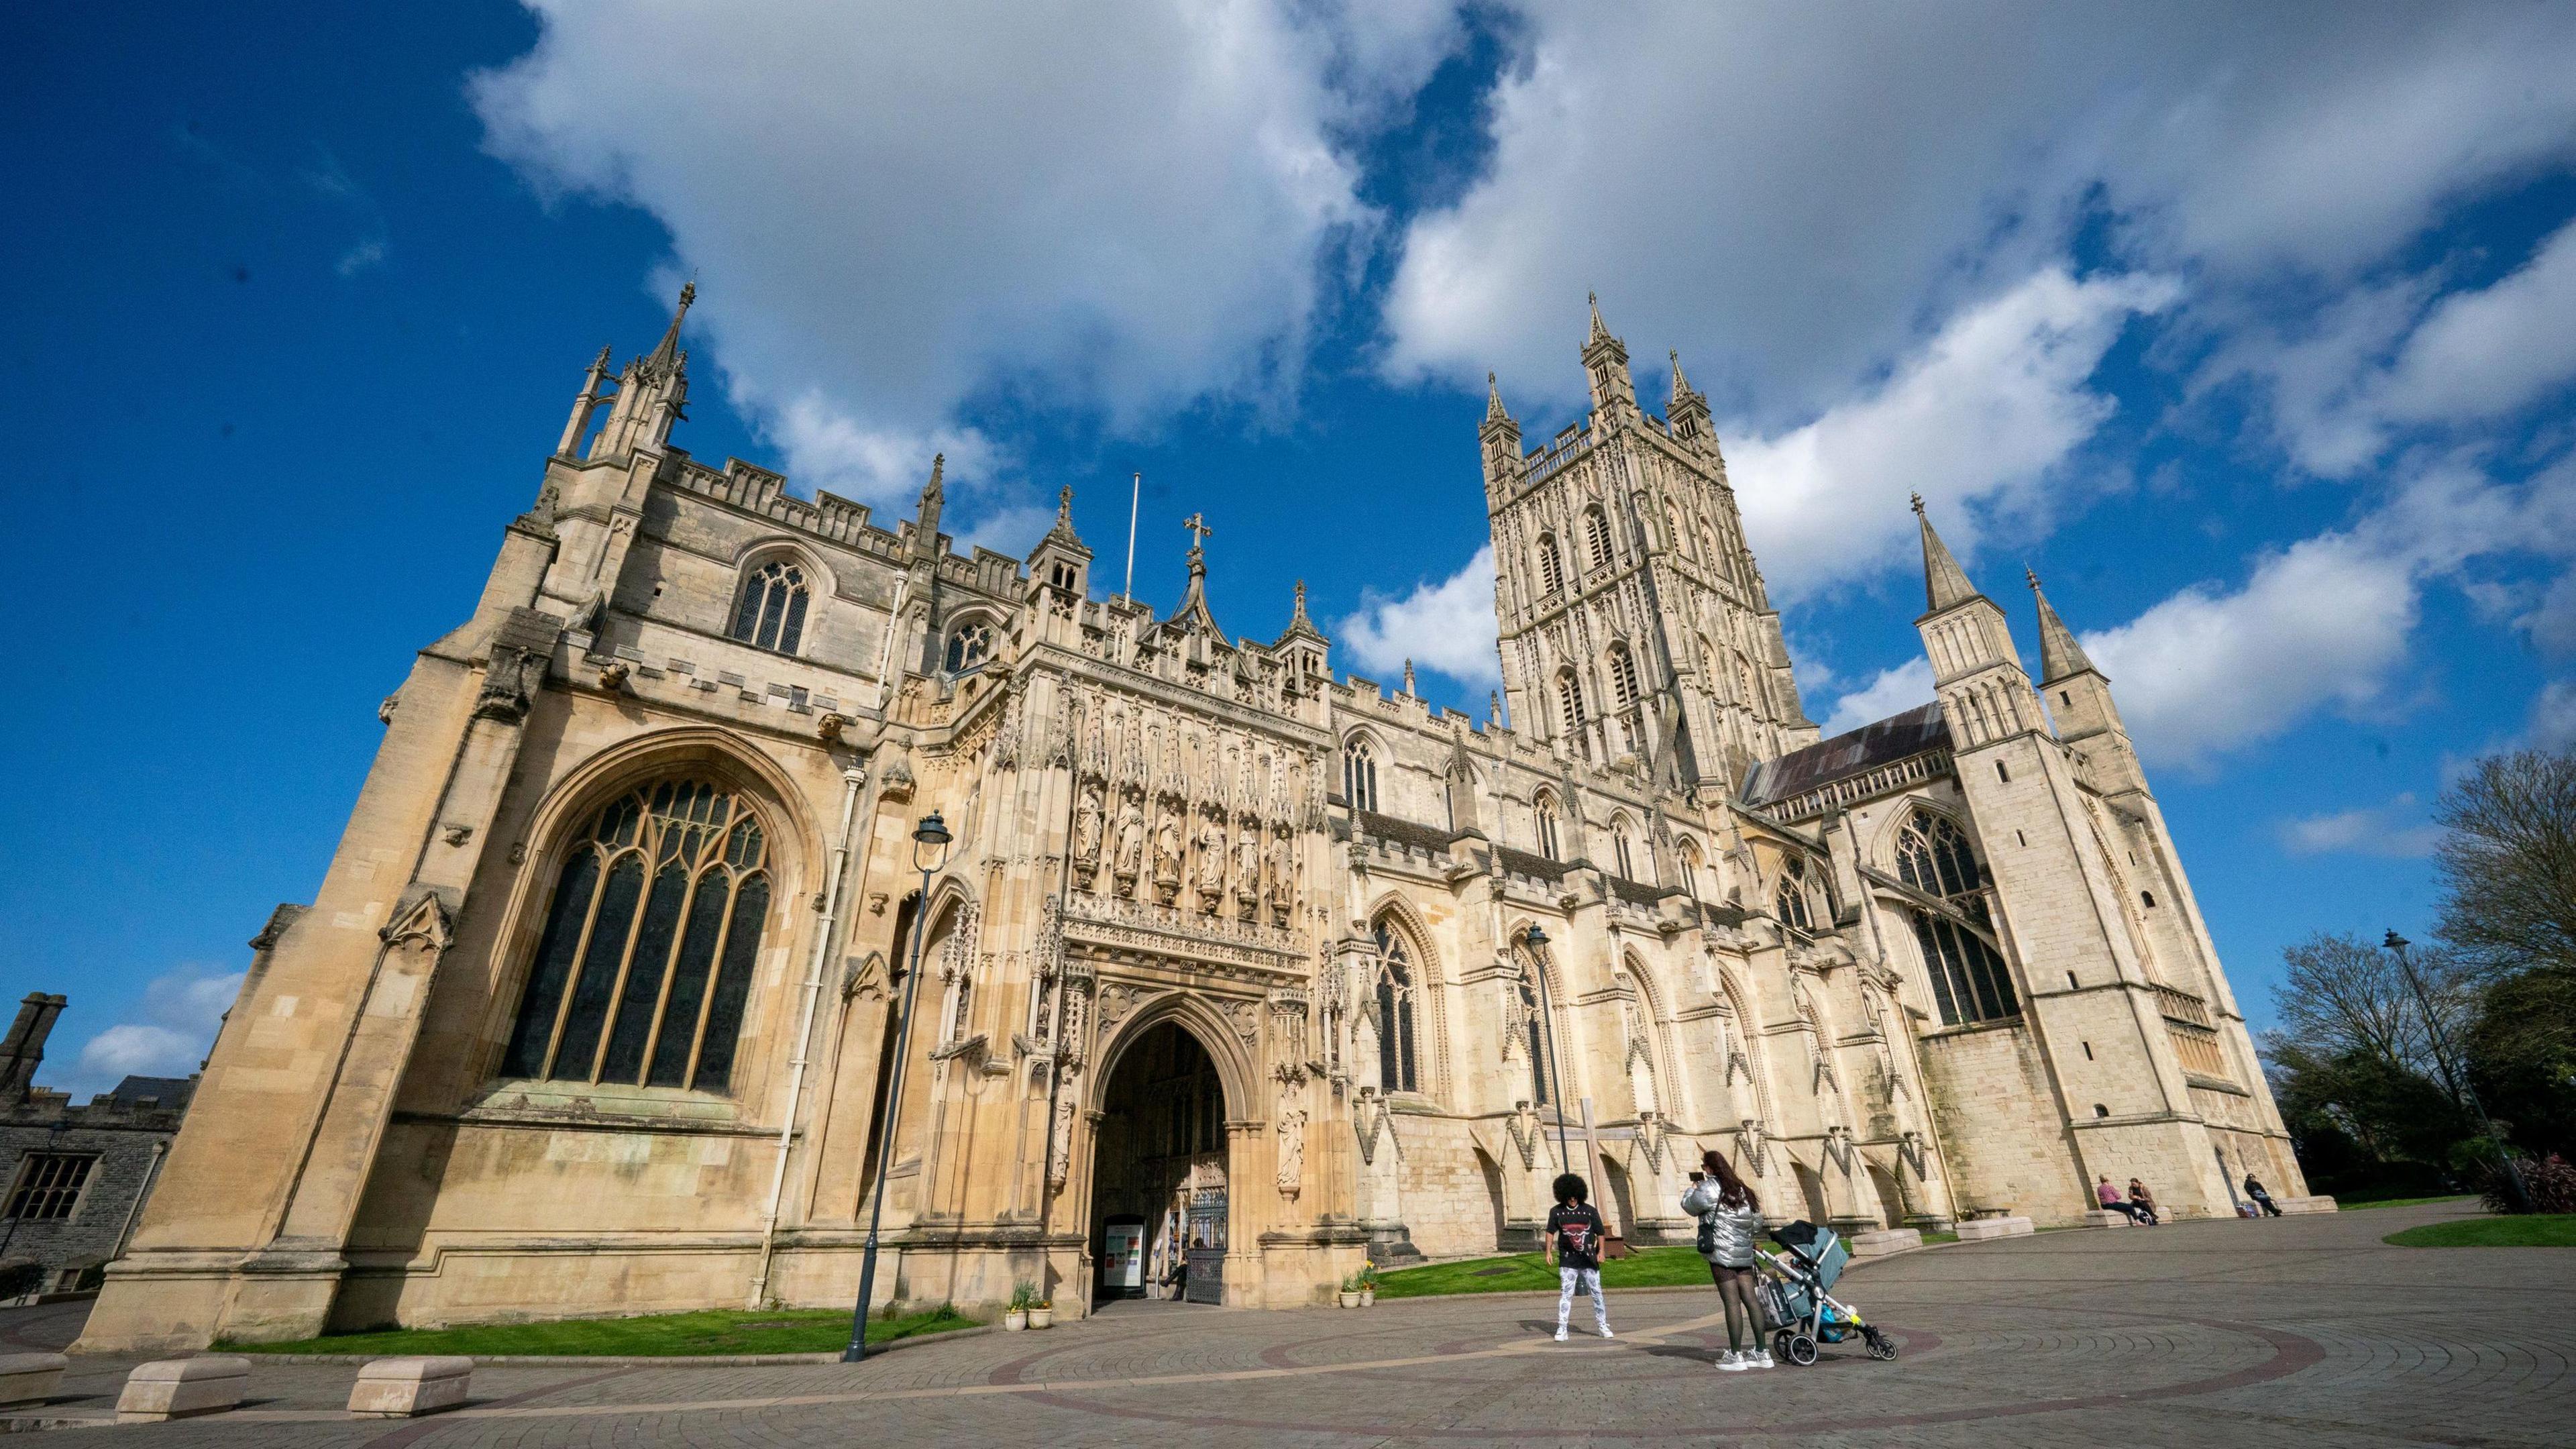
(2303, 1331)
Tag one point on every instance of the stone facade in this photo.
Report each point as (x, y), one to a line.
(1395, 962)
(73, 1178)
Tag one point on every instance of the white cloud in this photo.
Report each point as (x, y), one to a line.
(166, 1034)
(2553, 716)
(1982, 413)
(2396, 829)
(1791, 189)
(1447, 625)
(359, 258)
(2323, 622)
(892, 208)
(2387, 357)
(1893, 691)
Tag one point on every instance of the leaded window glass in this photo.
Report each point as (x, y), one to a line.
(1534, 1029)
(49, 1185)
(1933, 856)
(1789, 903)
(969, 645)
(645, 963)
(1395, 1056)
(1546, 813)
(1359, 773)
(1969, 981)
(771, 613)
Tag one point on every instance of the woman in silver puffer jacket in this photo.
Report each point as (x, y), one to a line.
(1729, 1217)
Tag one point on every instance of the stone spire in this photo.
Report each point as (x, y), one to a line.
(1945, 584)
(1193, 612)
(668, 358)
(1063, 531)
(1408, 676)
(934, 494)
(1605, 363)
(1681, 385)
(1599, 333)
(1494, 409)
(2059, 654)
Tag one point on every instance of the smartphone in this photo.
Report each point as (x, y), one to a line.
(1696, 1176)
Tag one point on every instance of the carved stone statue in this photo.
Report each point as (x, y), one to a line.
(1275, 885)
(1131, 845)
(1247, 865)
(1211, 881)
(1292, 1150)
(1167, 856)
(1087, 825)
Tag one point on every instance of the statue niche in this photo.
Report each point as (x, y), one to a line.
(1129, 861)
(1089, 821)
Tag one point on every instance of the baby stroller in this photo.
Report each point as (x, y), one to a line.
(1802, 1312)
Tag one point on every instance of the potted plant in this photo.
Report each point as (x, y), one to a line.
(1022, 1296)
(1368, 1286)
(1350, 1291)
(1042, 1313)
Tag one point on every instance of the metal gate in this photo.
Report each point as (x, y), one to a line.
(1206, 1281)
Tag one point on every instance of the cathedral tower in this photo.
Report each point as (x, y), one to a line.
(1632, 618)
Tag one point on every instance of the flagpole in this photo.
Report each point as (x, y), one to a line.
(1135, 492)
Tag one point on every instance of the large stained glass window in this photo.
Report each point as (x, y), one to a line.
(650, 942)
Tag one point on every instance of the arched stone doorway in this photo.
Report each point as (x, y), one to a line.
(1161, 1175)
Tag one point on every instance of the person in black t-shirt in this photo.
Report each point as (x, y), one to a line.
(1574, 1250)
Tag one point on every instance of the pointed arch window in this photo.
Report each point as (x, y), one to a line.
(771, 612)
(1359, 773)
(1619, 847)
(645, 964)
(1551, 569)
(970, 644)
(1544, 808)
(1790, 903)
(1970, 981)
(1569, 700)
(1395, 981)
(1596, 535)
(1623, 678)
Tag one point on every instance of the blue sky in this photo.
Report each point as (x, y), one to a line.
(2253, 335)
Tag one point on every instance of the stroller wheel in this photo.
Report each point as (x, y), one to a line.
(1881, 1347)
(1802, 1349)
(1780, 1344)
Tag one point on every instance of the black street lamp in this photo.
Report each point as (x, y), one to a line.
(1537, 940)
(929, 852)
(2458, 1075)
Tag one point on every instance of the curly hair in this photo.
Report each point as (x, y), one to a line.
(1570, 1188)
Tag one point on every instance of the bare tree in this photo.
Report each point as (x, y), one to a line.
(2508, 861)
(2346, 996)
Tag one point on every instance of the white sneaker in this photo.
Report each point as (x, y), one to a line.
(1560, 1333)
(1761, 1358)
(1606, 1333)
(1732, 1361)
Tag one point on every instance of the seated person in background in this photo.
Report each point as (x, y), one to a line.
(2262, 1199)
(2142, 1203)
(2109, 1197)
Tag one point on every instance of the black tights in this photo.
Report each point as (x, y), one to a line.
(1743, 1317)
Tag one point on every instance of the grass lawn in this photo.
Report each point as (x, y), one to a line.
(786, 1330)
(2532, 1230)
(2351, 1204)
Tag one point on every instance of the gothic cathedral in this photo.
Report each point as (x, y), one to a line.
(1234, 973)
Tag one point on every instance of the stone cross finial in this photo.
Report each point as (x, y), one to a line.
(1918, 504)
(1199, 532)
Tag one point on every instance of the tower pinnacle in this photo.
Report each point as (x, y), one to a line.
(2059, 653)
(1944, 582)
(667, 357)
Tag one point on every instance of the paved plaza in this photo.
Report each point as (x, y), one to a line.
(2304, 1331)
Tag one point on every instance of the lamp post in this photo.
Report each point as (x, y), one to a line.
(1537, 940)
(929, 852)
(2459, 1074)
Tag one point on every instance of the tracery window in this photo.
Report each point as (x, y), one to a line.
(1789, 902)
(1623, 678)
(1569, 699)
(1970, 981)
(1596, 535)
(646, 961)
(1619, 847)
(1359, 773)
(1545, 809)
(1551, 570)
(1395, 1057)
(969, 645)
(771, 613)
(1933, 856)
